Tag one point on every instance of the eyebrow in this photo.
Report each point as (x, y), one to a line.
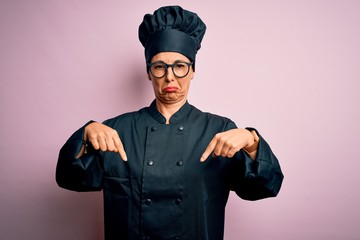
(178, 60)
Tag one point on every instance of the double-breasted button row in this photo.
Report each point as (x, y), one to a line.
(178, 163)
(180, 128)
(177, 201)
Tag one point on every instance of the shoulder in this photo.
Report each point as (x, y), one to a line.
(125, 118)
(210, 118)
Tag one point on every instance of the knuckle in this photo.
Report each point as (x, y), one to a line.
(217, 136)
(223, 140)
(232, 145)
(113, 132)
(100, 135)
(91, 136)
(93, 142)
(110, 146)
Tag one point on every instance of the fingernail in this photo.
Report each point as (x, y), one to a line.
(124, 159)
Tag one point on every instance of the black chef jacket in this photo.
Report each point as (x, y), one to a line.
(163, 191)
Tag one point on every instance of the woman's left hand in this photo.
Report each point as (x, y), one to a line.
(227, 143)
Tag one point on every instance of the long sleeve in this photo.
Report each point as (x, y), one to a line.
(78, 174)
(258, 179)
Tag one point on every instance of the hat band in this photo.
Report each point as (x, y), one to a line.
(170, 40)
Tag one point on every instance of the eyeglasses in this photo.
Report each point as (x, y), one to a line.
(179, 68)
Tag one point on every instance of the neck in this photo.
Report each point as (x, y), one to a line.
(167, 110)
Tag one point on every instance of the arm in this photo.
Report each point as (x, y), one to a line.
(262, 178)
(255, 171)
(75, 171)
(79, 165)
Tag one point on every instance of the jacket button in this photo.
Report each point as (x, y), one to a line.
(153, 129)
(150, 163)
(181, 128)
(179, 163)
(148, 201)
(178, 201)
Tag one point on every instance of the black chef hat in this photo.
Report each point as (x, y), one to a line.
(171, 29)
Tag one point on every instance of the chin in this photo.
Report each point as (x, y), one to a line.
(171, 100)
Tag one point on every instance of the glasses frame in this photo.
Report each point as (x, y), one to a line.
(189, 64)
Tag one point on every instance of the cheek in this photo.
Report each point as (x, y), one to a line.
(185, 85)
(156, 85)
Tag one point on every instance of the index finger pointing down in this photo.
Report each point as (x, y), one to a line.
(208, 150)
(119, 146)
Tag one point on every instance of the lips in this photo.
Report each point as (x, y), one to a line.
(170, 89)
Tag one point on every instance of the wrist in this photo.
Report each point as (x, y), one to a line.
(252, 147)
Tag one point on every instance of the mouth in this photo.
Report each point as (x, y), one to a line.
(170, 89)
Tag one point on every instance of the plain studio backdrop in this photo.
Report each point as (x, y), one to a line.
(289, 68)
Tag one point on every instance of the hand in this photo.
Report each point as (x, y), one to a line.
(104, 138)
(227, 143)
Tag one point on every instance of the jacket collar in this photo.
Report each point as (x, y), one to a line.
(175, 118)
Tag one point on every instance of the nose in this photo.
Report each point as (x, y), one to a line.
(169, 74)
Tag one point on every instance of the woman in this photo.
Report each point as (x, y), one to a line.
(166, 170)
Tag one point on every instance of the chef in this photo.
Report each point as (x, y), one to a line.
(166, 170)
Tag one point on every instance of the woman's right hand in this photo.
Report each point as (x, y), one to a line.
(104, 138)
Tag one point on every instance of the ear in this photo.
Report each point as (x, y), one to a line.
(149, 78)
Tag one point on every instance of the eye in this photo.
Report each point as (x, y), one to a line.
(180, 66)
(158, 66)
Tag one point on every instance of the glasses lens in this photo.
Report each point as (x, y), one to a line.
(181, 69)
(158, 69)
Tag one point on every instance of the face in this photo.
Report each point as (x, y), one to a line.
(171, 89)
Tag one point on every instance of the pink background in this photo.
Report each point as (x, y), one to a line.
(289, 68)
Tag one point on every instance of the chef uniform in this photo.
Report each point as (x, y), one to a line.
(163, 191)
